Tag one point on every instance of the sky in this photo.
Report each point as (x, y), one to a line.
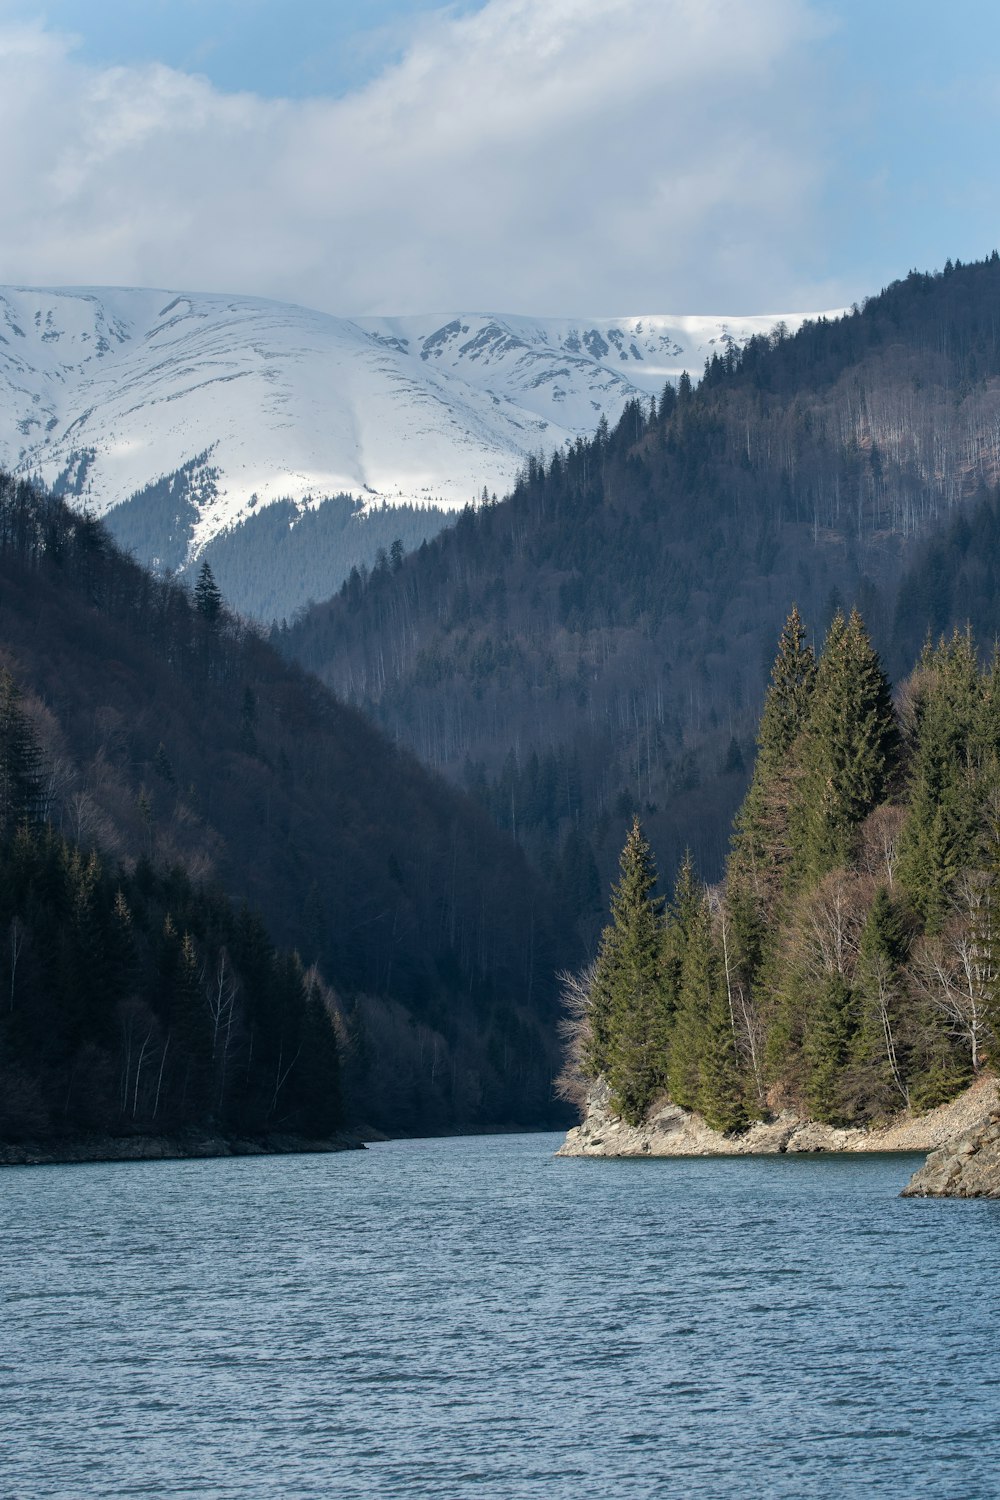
(546, 157)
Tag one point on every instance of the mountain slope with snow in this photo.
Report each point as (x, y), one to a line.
(241, 402)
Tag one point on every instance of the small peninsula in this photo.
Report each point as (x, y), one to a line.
(670, 1131)
(838, 991)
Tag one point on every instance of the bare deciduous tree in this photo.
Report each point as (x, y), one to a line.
(879, 852)
(574, 1028)
(957, 970)
(830, 934)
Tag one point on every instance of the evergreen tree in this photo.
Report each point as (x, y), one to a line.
(789, 696)
(849, 751)
(626, 995)
(761, 847)
(721, 1084)
(830, 1034)
(162, 765)
(688, 1037)
(207, 596)
(703, 1070)
(949, 736)
(318, 1075)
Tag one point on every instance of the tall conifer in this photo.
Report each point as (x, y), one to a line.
(688, 1036)
(949, 738)
(761, 848)
(627, 993)
(849, 751)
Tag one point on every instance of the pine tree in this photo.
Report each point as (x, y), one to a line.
(761, 849)
(830, 1034)
(949, 737)
(688, 1037)
(626, 995)
(849, 751)
(207, 596)
(721, 1085)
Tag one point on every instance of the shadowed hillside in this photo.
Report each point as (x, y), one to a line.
(170, 732)
(597, 644)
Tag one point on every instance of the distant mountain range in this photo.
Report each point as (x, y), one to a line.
(218, 406)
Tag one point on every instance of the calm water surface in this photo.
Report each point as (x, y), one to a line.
(472, 1318)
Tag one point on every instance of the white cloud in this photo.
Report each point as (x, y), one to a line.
(538, 155)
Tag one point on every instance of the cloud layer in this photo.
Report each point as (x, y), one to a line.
(548, 156)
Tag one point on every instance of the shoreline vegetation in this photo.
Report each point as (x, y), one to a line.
(843, 981)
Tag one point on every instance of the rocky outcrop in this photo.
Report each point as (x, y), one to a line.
(967, 1167)
(670, 1131)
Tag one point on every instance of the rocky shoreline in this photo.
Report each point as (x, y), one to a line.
(968, 1167)
(670, 1131)
(188, 1146)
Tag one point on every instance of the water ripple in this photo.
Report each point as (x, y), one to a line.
(474, 1320)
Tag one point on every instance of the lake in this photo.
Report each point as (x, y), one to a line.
(474, 1318)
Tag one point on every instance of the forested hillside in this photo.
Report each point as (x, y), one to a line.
(173, 739)
(951, 580)
(848, 964)
(597, 644)
(135, 1001)
(280, 557)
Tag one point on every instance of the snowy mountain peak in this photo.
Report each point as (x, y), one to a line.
(110, 390)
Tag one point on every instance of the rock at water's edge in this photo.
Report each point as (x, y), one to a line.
(967, 1167)
(670, 1131)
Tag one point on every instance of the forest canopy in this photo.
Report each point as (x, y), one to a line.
(848, 965)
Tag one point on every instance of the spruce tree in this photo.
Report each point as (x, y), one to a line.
(761, 848)
(830, 1033)
(627, 994)
(789, 696)
(849, 751)
(681, 917)
(207, 596)
(721, 1084)
(688, 1038)
(949, 738)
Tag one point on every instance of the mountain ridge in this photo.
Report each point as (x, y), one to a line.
(110, 390)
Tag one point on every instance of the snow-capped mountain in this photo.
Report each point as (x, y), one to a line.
(106, 390)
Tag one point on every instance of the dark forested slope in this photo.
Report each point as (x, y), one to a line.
(598, 643)
(170, 732)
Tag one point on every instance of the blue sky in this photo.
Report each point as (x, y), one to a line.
(544, 156)
(292, 49)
